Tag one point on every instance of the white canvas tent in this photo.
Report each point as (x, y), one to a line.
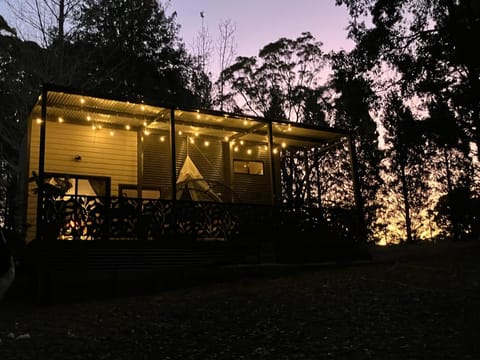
(192, 186)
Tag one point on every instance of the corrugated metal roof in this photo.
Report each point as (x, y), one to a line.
(113, 113)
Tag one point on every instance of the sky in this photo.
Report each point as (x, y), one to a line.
(257, 22)
(260, 22)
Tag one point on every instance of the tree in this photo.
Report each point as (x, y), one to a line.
(47, 22)
(131, 49)
(283, 68)
(226, 52)
(351, 109)
(404, 151)
(429, 44)
(18, 79)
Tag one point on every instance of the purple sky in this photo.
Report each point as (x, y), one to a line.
(259, 22)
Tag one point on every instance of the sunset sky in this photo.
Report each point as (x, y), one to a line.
(261, 22)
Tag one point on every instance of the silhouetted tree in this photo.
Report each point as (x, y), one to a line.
(131, 49)
(406, 161)
(351, 110)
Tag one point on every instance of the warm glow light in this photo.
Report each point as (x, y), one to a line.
(265, 147)
(143, 107)
(146, 132)
(180, 133)
(249, 151)
(112, 132)
(241, 142)
(284, 144)
(94, 127)
(275, 151)
(235, 149)
(289, 128)
(145, 123)
(206, 143)
(82, 100)
(60, 120)
(245, 122)
(39, 121)
(196, 134)
(198, 116)
(162, 138)
(127, 127)
(89, 118)
(192, 140)
(226, 138)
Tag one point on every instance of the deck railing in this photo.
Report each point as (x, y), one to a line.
(121, 218)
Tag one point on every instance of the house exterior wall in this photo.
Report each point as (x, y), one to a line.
(102, 154)
(253, 189)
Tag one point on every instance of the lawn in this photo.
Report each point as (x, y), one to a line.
(411, 302)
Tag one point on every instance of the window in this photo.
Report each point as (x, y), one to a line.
(78, 185)
(131, 191)
(248, 167)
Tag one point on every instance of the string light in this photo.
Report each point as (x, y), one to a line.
(112, 132)
(82, 100)
(249, 151)
(60, 119)
(226, 138)
(89, 118)
(192, 140)
(162, 138)
(242, 142)
(206, 143)
(275, 151)
(284, 144)
(39, 121)
(127, 127)
(235, 149)
(180, 133)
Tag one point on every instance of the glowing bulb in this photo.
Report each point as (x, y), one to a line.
(275, 151)
(235, 149)
(284, 144)
(94, 127)
(265, 147)
(145, 123)
(60, 120)
(112, 133)
(162, 138)
(127, 127)
(82, 100)
(89, 118)
(146, 132)
(206, 143)
(245, 122)
(241, 142)
(196, 134)
(192, 140)
(226, 138)
(143, 107)
(289, 128)
(249, 151)
(198, 116)
(39, 121)
(180, 133)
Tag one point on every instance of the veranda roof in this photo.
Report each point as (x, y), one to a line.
(66, 106)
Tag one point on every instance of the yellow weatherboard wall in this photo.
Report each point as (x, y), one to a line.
(103, 152)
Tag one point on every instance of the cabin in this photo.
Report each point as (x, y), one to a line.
(117, 183)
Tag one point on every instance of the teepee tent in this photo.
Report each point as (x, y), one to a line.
(192, 186)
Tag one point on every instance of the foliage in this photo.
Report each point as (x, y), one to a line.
(351, 109)
(131, 49)
(466, 215)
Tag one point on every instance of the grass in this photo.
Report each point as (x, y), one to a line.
(410, 302)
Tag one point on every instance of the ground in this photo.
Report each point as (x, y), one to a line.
(416, 302)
